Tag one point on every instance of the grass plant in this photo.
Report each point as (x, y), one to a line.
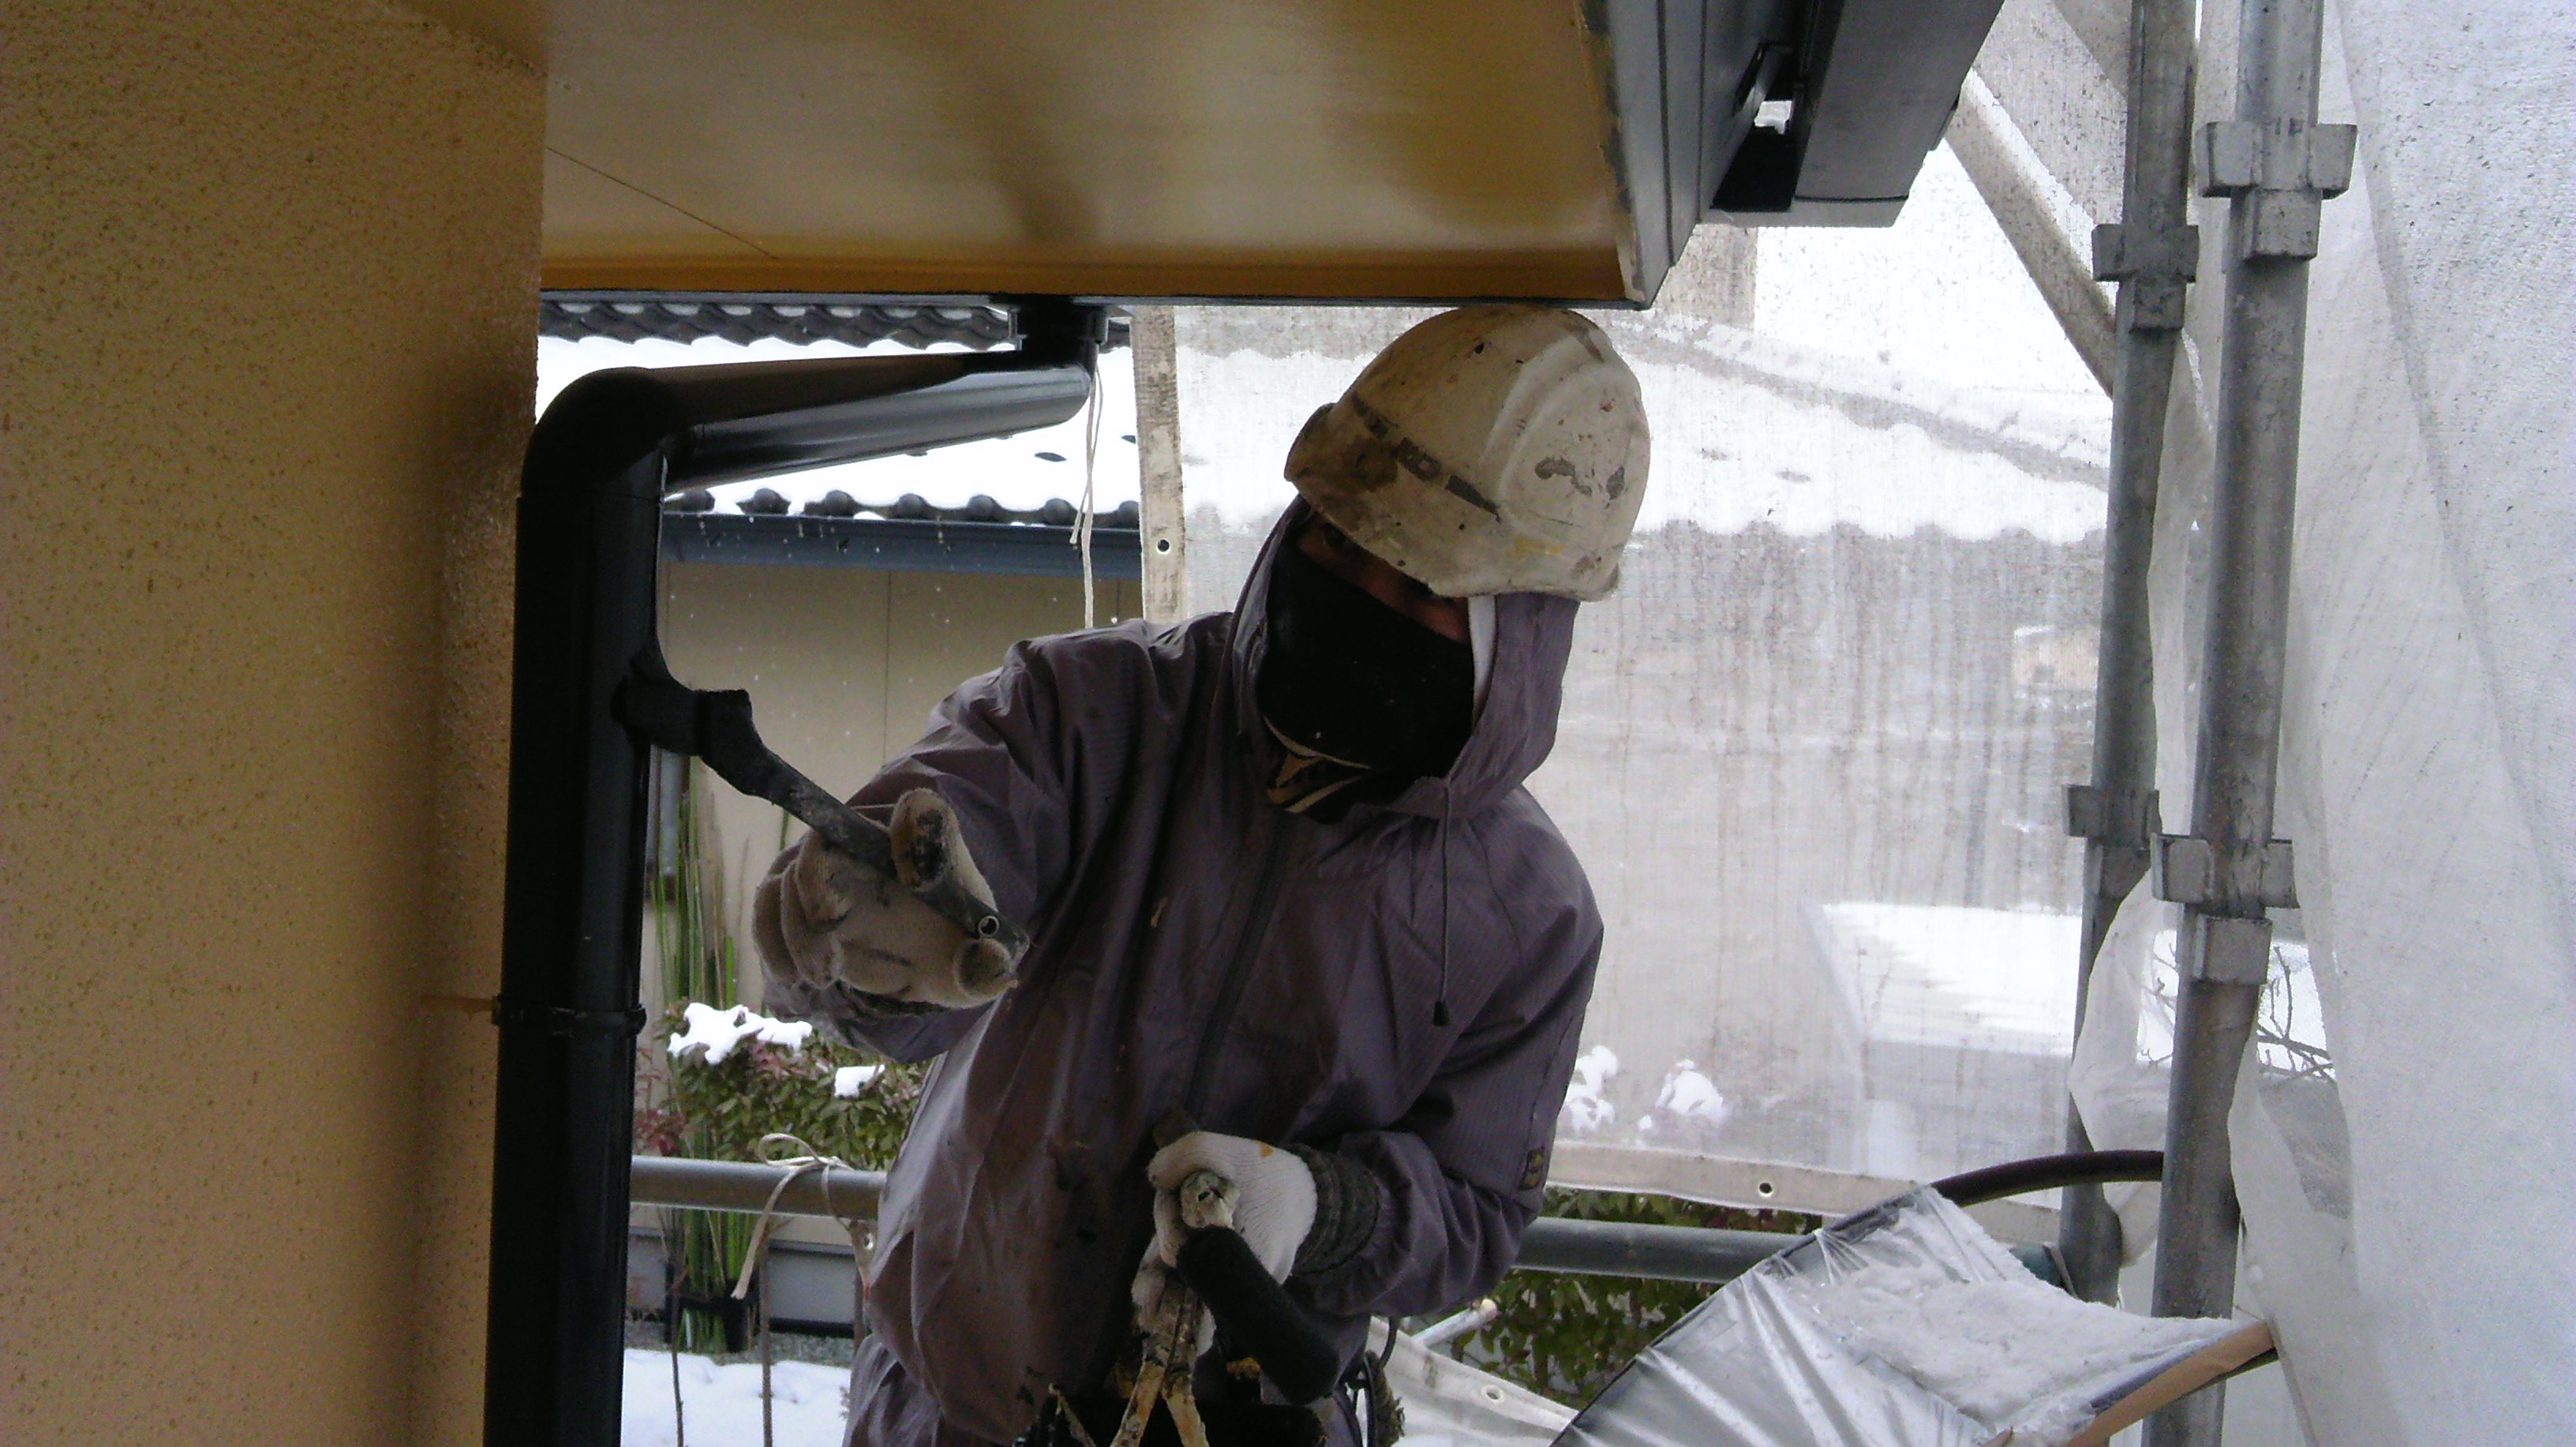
(686, 896)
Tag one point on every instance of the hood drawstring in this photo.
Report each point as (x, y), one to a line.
(1480, 643)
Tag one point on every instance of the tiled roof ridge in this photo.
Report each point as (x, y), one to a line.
(739, 318)
(911, 507)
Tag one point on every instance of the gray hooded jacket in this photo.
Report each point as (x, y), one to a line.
(1196, 948)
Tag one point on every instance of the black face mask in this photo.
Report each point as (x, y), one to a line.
(1352, 679)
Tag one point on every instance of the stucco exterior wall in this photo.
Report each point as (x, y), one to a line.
(844, 666)
(269, 364)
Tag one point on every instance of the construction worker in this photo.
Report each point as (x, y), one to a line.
(1278, 872)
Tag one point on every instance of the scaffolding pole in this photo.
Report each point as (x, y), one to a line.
(2277, 165)
(2153, 253)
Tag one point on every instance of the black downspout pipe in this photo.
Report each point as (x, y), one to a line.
(598, 466)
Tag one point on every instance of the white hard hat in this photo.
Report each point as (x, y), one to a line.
(1491, 449)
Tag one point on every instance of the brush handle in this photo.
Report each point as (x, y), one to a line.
(715, 725)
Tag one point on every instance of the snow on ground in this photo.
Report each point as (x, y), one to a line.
(1691, 1096)
(722, 1402)
(1586, 1110)
(713, 1033)
(1596, 1067)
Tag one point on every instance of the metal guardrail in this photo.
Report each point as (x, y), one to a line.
(1552, 1243)
(738, 1186)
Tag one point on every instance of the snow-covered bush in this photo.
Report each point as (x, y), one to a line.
(732, 1076)
(711, 1081)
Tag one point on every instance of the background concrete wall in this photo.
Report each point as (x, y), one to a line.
(844, 666)
(269, 361)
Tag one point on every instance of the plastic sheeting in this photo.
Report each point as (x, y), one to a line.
(1448, 1403)
(1811, 750)
(1907, 1324)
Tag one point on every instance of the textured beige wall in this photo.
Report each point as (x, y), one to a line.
(269, 360)
(844, 666)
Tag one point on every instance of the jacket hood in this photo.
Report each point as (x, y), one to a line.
(1533, 637)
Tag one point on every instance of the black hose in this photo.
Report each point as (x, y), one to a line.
(2047, 1173)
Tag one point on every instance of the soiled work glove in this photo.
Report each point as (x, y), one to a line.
(1300, 1210)
(1202, 1199)
(1274, 1195)
(826, 923)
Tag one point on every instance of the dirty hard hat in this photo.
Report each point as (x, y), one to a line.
(1491, 449)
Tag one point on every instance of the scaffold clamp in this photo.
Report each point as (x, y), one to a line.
(2125, 817)
(2207, 875)
(2279, 173)
(2156, 266)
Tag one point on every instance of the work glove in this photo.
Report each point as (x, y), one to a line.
(827, 924)
(1273, 1195)
(1299, 1210)
(1201, 1200)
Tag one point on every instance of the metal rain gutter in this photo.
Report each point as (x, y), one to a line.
(599, 464)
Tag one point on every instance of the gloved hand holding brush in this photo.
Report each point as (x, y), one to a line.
(825, 921)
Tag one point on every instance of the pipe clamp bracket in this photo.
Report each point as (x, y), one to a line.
(566, 1020)
(2279, 173)
(2128, 817)
(2155, 268)
(2193, 871)
(2224, 950)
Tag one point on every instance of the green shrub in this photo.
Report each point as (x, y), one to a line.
(720, 1112)
(1566, 1336)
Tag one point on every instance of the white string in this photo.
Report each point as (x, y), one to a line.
(1082, 522)
(807, 1160)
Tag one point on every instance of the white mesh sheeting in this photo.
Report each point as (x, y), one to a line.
(1811, 750)
(2406, 1217)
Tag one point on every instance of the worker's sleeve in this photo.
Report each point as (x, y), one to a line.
(1002, 754)
(1465, 1171)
